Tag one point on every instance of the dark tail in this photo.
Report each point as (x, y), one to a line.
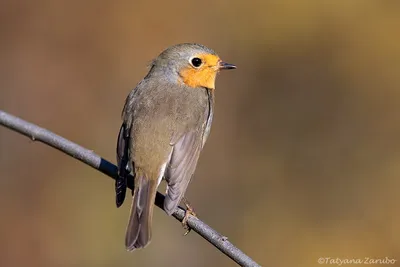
(138, 233)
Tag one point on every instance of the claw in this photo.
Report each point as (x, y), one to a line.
(189, 212)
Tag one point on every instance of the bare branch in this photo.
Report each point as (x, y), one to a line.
(37, 133)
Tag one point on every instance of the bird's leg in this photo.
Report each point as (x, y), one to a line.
(189, 211)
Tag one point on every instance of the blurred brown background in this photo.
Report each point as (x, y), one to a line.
(303, 157)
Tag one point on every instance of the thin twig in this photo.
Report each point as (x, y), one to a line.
(37, 133)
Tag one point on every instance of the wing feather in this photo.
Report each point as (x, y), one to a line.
(182, 165)
(184, 157)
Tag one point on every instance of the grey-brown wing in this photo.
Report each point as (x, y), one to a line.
(184, 157)
(182, 165)
(124, 165)
(209, 115)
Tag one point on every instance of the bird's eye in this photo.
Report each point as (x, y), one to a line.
(196, 62)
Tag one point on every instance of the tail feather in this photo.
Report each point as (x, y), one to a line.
(138, 233)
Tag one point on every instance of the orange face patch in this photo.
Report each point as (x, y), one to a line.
(203, 76)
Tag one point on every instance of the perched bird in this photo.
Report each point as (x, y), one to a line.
(166, 122)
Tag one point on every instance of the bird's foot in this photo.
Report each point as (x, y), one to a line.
(189, 212)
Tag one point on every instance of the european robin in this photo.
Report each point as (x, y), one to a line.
(166, 122)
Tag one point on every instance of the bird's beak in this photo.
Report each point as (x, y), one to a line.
(226, 66)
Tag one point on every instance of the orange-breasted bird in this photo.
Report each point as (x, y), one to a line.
(166, 122)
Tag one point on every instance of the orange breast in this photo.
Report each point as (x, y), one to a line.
(199, 78)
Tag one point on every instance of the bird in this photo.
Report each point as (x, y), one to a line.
(166, 121)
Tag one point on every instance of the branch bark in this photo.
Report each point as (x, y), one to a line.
(90, 158)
